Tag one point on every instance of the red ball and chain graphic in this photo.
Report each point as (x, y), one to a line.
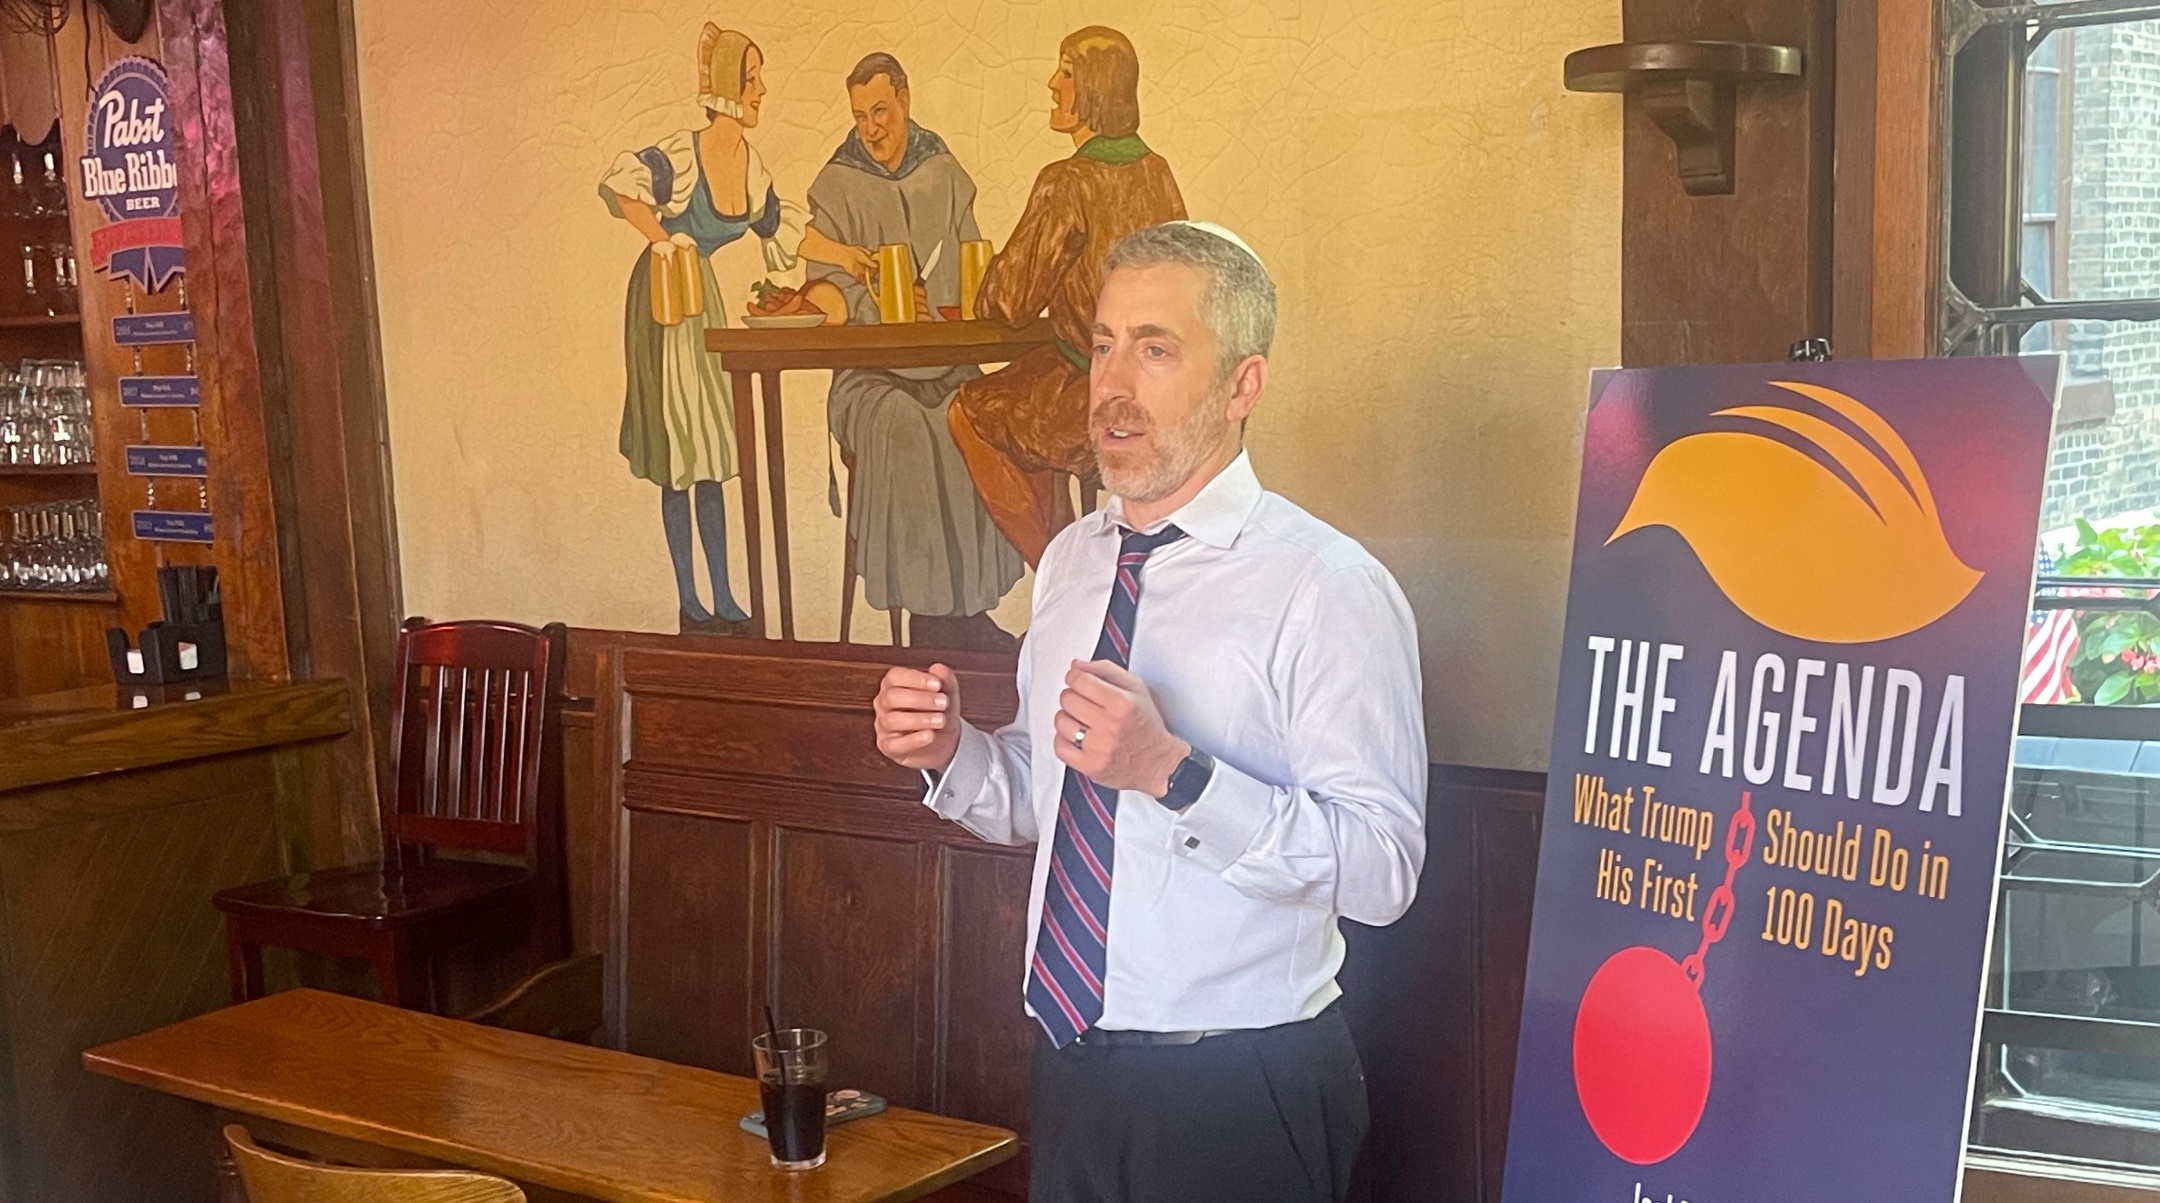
(1642, 1037)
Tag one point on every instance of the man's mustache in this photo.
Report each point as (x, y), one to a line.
(1118, 415)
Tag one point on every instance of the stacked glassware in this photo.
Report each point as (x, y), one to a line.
(45, 415)
(53, 547)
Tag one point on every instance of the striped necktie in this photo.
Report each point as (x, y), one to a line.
(1065, 980)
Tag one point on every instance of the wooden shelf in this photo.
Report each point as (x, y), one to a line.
(39, 321)
(48, 469)
(54, 595)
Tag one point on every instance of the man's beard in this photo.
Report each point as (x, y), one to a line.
(1167, 459)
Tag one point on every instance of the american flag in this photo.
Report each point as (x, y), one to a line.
(2051, 636)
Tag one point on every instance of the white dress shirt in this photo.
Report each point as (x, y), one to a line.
(1277, 645)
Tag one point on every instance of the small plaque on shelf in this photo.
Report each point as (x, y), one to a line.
(161, 390)
(172, 526)
(168, 461)
(153, 329)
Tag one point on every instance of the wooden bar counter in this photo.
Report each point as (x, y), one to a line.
(121, 812)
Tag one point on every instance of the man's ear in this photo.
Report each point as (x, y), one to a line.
(1247, 381)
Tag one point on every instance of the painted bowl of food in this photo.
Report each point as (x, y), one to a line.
(950, 313)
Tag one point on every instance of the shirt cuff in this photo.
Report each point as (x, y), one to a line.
(950, 792)
(1224, 820)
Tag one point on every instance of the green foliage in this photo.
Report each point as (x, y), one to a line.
(2118, 656)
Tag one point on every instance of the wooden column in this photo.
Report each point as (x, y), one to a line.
(1907, 190)
(277, 218)
(1834, 224)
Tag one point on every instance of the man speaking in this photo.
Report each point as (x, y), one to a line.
(1220, 750)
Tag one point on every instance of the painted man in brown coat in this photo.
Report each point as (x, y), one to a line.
(1018, 427)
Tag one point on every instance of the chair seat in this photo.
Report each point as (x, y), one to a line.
(366, 893)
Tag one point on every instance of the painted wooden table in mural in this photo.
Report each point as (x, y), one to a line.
(765, 354)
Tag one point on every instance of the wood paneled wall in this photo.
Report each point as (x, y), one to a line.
(123, 827)
(1435, 1000)
(757, 848)
(1738, 278)
(768, 855)
(1834, 227)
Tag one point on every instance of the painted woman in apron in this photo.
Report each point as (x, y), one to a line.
(690, 194)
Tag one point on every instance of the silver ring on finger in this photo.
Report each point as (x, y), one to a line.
(1079, 737)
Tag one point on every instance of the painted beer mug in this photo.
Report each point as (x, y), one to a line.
(895, 283)
(974, 265)
(677, 290)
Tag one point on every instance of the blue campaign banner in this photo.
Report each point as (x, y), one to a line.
(172, 526)
(153, 329)
(182, 391)
(1780, 755)
(144, 460)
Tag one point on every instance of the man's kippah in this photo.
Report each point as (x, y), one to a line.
(1222, 232)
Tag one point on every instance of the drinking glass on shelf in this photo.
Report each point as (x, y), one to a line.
(45, 416)
(63, 276)
(14, 189)
(54, 547)
(67, 415)
(37, 441)
(48, 193)
(14, 414)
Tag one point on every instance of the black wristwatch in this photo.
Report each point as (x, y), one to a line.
(1187, 780)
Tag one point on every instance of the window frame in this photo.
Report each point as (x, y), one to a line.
(1984, 307)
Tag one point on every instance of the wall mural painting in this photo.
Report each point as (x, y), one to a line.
(689, 194)
(955, 478)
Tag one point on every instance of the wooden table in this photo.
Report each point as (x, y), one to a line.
(563, 1119)
(767, 353)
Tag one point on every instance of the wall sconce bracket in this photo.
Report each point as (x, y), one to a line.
(1687, 89)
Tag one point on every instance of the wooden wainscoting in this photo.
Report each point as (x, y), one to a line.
(760, 849)
(1435, 1000)
(766, 853)
(738, 839)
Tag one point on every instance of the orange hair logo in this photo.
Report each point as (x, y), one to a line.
(1795, 546)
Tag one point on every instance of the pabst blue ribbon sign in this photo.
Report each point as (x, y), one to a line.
(128, 170)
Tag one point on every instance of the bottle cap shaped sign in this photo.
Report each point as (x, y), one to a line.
(128, 169)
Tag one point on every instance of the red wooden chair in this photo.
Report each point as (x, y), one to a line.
(476, 764)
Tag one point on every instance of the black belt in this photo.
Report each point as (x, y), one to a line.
(1109, 1038)
(1105, 1038)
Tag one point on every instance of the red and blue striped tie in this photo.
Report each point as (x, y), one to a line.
(1065, 980)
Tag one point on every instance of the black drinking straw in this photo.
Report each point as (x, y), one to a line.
(772, 1038)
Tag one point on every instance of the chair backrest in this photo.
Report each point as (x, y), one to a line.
(476, 737)
(275, 1178)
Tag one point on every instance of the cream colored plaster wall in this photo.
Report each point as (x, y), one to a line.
(1441, 218)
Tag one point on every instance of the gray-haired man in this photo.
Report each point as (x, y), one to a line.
(1220, 714)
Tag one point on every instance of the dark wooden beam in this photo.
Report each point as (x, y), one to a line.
(283, 203)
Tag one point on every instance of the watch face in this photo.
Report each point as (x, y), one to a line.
(1188, 779)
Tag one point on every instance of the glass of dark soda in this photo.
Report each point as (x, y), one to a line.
(791, 1082)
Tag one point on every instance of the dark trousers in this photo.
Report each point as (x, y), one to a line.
(1274, 1115)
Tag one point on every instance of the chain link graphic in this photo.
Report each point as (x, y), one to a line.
(1739, 845)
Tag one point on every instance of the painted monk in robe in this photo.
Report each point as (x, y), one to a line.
(923, 541)
(1019, 426)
